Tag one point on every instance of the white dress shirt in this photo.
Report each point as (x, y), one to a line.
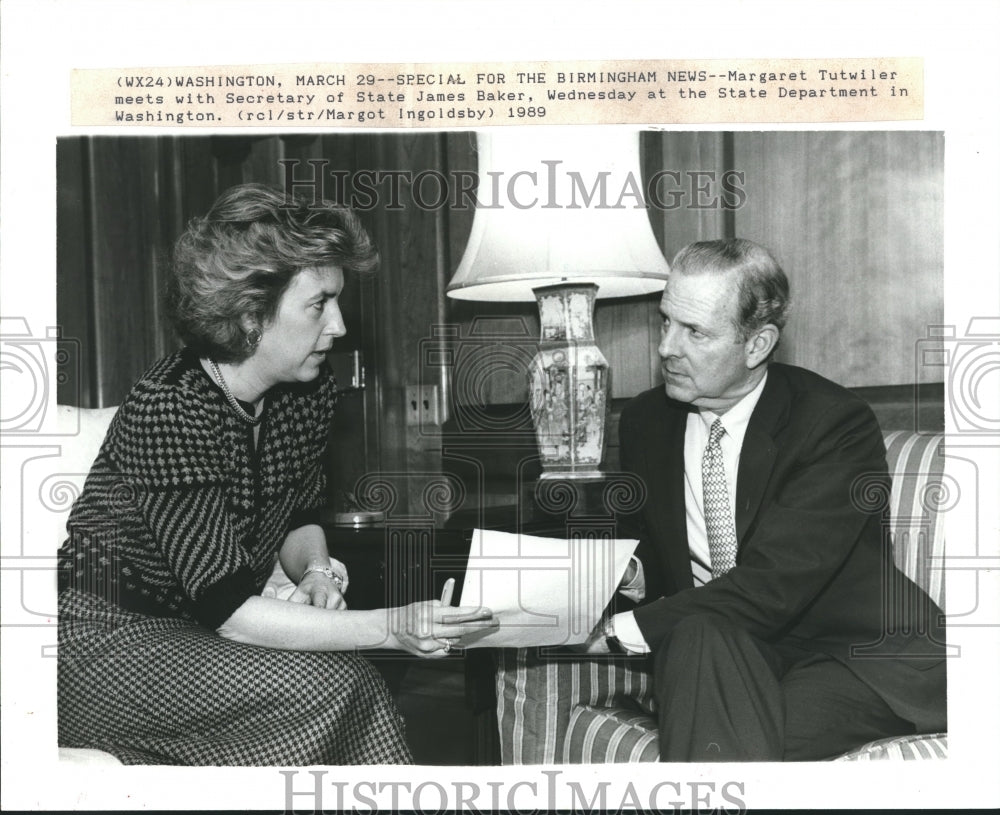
(735, 421)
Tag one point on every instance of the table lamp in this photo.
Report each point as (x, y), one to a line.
(561, 219)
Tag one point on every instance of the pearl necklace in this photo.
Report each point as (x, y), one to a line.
(253, 421)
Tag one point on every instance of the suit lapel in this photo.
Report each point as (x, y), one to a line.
(759, 448)
(666, 490)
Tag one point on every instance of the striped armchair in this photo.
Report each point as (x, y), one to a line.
(555, 708)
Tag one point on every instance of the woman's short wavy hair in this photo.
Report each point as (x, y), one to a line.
(763, 295)
(234, 264)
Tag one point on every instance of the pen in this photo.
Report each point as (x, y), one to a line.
(446, 593)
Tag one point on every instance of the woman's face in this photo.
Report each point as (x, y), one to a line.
(294, 344)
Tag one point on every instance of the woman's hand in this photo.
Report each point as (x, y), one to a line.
(316, 589)
(430, 629)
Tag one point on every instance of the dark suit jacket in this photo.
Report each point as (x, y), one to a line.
(814, 567)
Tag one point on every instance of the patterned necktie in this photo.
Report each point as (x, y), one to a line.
(718, 518)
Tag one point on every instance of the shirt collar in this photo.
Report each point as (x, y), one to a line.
(736, 419)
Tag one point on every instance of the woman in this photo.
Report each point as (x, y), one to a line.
(211, 468)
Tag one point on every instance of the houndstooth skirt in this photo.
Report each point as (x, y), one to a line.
(155, 690)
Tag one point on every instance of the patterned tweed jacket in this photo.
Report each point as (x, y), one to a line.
(181, 516)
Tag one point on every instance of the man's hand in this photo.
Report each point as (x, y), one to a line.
(596, 642)
(633, 582)
(630, 572)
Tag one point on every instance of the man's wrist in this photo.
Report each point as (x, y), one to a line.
(625, 637)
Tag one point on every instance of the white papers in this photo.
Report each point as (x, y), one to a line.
(544, 591)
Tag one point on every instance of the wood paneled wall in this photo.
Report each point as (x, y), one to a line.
(856, 220)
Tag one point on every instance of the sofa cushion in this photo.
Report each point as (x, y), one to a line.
(611, 736)
(88, 756)
(907, 748)
(82, 433)
(599, 735)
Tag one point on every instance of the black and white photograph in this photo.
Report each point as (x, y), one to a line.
(363, 468)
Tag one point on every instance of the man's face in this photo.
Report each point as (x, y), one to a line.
(703, 357)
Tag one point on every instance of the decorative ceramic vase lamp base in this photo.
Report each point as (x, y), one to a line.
(569, 382)
(560, 219)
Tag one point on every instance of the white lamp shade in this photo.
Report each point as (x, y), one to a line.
(559, 205)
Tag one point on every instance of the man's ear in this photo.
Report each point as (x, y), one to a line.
(760, 345)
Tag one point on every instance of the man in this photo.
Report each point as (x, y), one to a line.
(766, 582)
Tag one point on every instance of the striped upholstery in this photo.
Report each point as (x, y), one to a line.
(538, 689)
(610, 736)
(907, 748)
(591, 710)
(920, 491)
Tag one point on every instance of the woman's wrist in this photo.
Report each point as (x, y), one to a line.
(325, 575)
(319, 567)
(392, 641)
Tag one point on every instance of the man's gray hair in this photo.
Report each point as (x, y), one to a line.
(763, 287)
